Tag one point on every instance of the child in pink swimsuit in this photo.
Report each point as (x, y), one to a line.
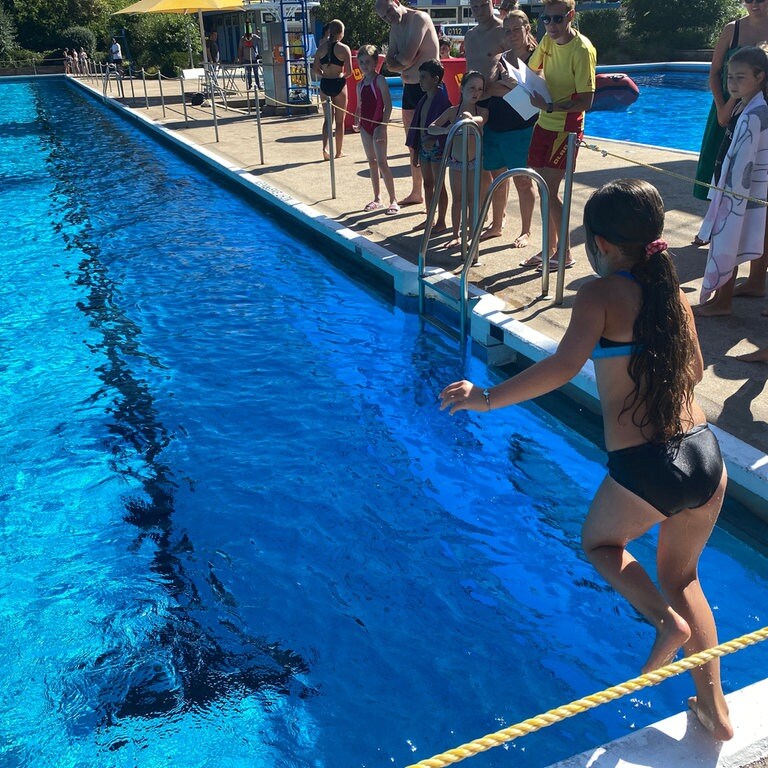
(374, 107)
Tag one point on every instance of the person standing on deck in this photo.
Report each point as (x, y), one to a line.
(248, 54)
(567, 59)
(412, 41)
(507, 135)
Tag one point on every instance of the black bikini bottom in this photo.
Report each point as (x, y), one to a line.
(680, 474)
(332, 86)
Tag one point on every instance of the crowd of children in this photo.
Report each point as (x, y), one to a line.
(734, 226)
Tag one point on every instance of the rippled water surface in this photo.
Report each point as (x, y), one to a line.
(234, 528)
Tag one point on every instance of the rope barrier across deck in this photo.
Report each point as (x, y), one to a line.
(553, 716)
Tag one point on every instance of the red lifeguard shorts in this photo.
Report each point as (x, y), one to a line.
(549, 148)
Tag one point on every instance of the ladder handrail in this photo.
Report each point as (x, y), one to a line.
(470, 254)
(459, 125)
(475, 240)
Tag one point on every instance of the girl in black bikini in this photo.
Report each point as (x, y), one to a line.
(664, 463)
(333, 64)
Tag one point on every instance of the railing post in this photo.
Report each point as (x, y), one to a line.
(331, 151)
(144, 81)
(184, 102)
(258, 125)
(213, 112)
(570, 163)
(160, 85)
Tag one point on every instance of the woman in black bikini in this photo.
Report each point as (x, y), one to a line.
(333, 65)
(664, 463)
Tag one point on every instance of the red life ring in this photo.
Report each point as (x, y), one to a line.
(614, 92)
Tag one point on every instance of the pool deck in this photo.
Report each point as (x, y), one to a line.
(296, 179)
(293, 170)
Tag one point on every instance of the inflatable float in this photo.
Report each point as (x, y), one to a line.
(614, 92)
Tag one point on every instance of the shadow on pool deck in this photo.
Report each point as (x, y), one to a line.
(731, 392)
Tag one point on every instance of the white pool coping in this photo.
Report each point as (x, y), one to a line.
(681, 741)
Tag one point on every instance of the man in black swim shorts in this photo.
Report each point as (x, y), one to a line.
(412, 41)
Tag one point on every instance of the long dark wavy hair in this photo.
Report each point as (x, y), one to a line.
(630, 214)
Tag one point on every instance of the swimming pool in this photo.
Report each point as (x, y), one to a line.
(671, 111)
(234, 528)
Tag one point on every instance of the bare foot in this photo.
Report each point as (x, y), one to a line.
(411, 200)
(521, 241)
(745, 289)
(670, 636)
(326, 156)
(717, 723)
(454, 242)
(439, 228)
(489, 234)
(759, 356)
(339, 154)
(711, 309)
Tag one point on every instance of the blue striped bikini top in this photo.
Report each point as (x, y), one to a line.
(608, 347)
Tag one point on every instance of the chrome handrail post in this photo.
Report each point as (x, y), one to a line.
(570, 162)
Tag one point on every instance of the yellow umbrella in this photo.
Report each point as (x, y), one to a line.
(185, 6)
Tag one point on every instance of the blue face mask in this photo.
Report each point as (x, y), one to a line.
(597, 259)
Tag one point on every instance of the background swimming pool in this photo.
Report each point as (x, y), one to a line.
(234, 528)
(671, 111)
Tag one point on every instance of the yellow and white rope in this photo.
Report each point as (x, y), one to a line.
(553, 716)
(606, 153)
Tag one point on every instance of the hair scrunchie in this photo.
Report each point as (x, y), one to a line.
(656, 246)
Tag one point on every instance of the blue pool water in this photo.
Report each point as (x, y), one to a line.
(234, 528)
(671, 111)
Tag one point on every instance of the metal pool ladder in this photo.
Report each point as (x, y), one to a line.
(441, 283)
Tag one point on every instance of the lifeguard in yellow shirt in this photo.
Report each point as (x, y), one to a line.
(567, 61)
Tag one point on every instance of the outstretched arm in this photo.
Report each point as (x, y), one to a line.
(584, 330)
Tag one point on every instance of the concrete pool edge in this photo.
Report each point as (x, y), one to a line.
(490, 327)
(681, 740)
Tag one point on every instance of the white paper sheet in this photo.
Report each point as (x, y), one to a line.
(519, 100)
(528, 80)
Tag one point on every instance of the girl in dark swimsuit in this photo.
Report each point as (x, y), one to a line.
(664, 463)
(333, 65)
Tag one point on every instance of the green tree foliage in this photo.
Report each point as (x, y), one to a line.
(361, 23)
(159, 40)
(672, 25)
(79, 37)
(40, 23)
(603, 28)
(8, 44)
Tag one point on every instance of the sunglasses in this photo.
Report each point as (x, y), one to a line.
(558, 17)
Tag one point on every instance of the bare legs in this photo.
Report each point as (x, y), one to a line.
(340, 101)
(720, 303)
(754, 285)
(498, 203)
(414, 196)
(429, 174)
(456, 204)
(527, 198)
(618, 517)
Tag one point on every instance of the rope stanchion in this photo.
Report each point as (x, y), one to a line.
(160, 86)
(329, 132)
(505, 735)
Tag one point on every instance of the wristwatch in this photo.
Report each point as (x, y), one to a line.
(487, 396)
(550, 106)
